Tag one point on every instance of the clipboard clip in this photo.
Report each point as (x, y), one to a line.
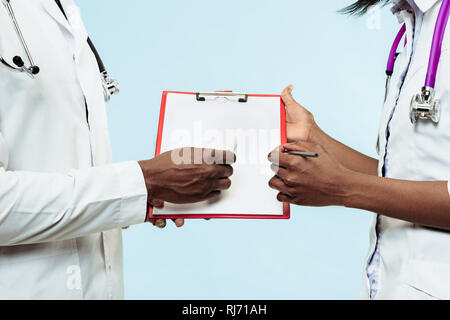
(242, 97)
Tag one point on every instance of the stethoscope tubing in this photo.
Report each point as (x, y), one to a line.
(436, 47)
(393, 52)
(19, 32)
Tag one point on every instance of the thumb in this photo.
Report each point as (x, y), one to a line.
(287, 97)
(294, 111)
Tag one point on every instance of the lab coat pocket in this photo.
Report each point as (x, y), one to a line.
(48, 270)
(430, 278)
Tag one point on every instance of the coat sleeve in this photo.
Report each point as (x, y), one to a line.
(43, 207)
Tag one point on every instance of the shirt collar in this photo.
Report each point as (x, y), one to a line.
(423, 5)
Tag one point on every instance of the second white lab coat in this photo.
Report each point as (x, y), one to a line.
(414, 260)
(62, 204)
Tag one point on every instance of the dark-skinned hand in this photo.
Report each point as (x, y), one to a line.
(187, 175)
(303, 181)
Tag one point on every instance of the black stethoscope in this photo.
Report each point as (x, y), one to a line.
(110, 86)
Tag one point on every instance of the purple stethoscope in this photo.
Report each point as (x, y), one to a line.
(423, 105)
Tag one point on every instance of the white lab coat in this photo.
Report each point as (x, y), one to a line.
(62, 204)
(414, 260)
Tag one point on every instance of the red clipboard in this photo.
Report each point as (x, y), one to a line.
(286, 206)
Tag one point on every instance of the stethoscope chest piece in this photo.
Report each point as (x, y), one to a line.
(110, 86)
(425, 107)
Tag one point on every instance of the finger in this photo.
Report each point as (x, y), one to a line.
(178, 222)
(222, 184)
(213, 156)
(160, 223)
(223, 171)
(230, 157)
(303, 146)
(212, 195)
(274, 155)
(279, 171)
(159, 204)
(282, 197)
(278, 184)
(281, 159)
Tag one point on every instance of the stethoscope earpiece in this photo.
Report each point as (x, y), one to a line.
(35, 70)
(32, 70)
(18, 61)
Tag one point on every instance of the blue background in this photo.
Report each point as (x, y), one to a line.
(257, 46)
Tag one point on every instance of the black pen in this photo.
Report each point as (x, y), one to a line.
(302, 154)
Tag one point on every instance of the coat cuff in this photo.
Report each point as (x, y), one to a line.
(133, 207)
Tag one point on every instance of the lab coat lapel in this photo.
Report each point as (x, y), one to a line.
(76, 31)
(76, 24)
(53, 10)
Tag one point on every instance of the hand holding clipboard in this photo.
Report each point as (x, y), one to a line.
(191, 180)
